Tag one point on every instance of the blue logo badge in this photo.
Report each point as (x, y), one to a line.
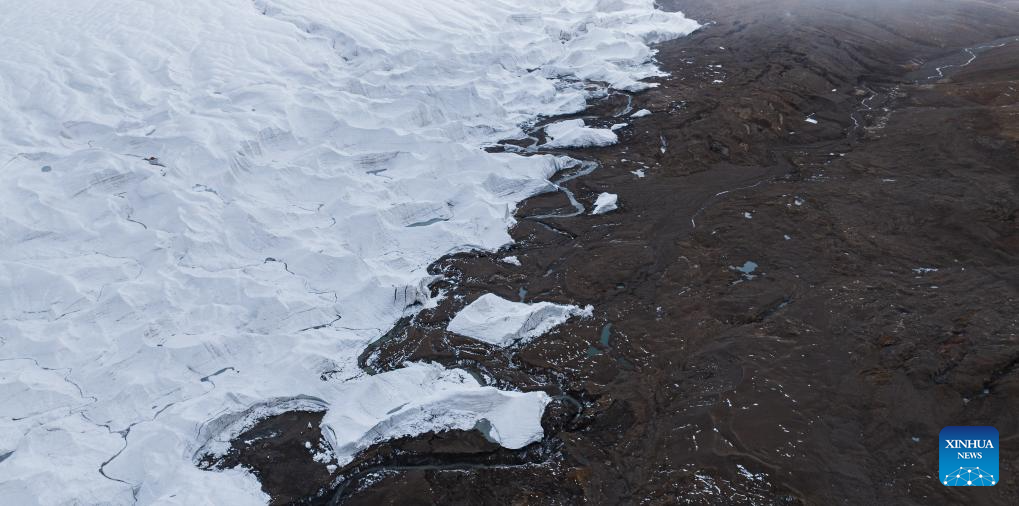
(968, 456)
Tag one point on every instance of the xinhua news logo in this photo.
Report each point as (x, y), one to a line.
(968, 456)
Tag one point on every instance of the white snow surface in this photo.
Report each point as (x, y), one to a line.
(641, 113)
(497, 321)
(208, 205)
(607, 202)
(574, 134)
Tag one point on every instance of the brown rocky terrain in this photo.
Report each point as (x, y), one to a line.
(785, 311)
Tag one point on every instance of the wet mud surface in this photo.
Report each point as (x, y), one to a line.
(786, 311)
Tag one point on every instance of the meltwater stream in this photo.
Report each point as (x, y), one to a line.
(971, 54)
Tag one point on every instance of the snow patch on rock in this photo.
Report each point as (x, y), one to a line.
(573, 134)
(606, 202)
(498, 321)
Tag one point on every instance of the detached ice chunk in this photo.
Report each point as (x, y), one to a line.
(641, 113)
(498, 321)
(428, 397)
(606, 202)
(573, 134)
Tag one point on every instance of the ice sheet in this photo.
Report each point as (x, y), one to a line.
(207, 205)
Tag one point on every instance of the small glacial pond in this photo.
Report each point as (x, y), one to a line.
(748, 267)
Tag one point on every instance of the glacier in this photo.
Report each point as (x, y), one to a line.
(210, 205)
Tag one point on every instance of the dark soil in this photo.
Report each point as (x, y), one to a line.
(881, 307)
